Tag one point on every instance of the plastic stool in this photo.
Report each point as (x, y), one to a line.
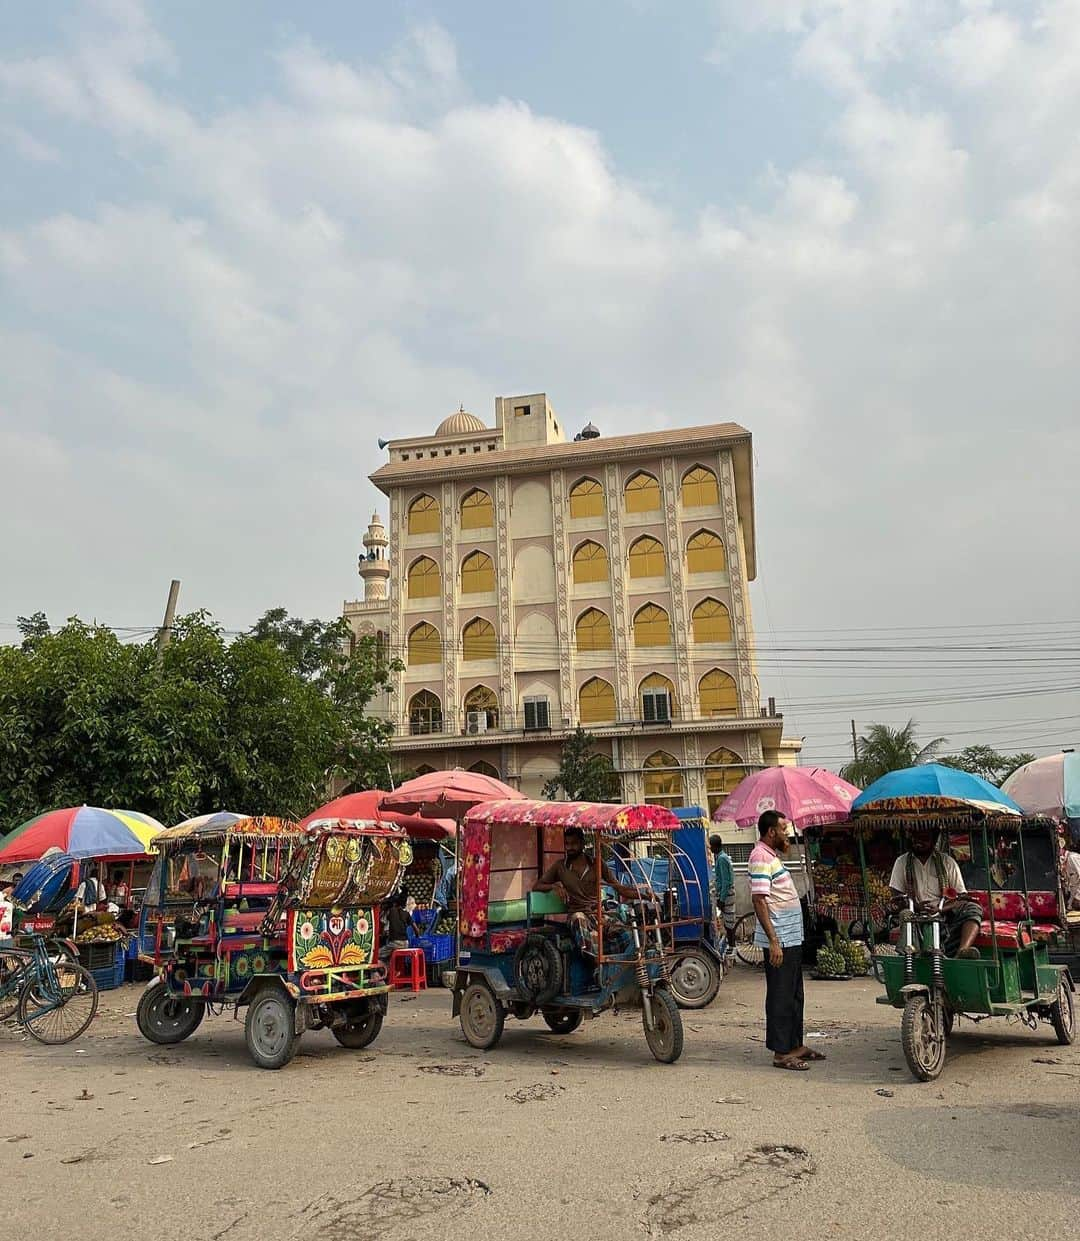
(408, 970)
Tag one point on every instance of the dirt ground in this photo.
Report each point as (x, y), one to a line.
(544, 1137)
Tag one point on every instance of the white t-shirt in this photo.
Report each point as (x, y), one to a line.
(90, 892)
(927, 884)
(1072, 878)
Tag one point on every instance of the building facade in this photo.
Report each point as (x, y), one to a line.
(532, 583)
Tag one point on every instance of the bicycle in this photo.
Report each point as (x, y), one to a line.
(53, 1001)
(742, 939)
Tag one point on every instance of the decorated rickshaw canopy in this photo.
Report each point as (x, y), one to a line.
(218, 827)
(84, 832)
(589, 816)
(48, 885)
(934, 790)
(365, 805)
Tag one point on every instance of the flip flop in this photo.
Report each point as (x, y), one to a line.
(811, 1055)
(793, 1066)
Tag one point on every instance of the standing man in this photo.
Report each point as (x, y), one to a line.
(723, 884)
(780, 933)
(1072, 880)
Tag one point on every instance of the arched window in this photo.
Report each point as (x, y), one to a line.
(486, 769)
(424, 515)
(590, 563)
(657, 696)
(587, 499)
(476, 511)
(718, 694)
(699, 486)
(710, 622)
(652, 626)
(593, 631)
(477, 574)
(647, 558)
(478, 639)
(425, 645)
(642, 494)
(596, 702)
(481, 709)
(723, 771)
(663, 780)
(705, 553)
(424, 579)
(425, 713)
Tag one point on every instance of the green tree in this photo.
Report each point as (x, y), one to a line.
(583, 775)
(245, 725)
(985, 761)
(883, 749)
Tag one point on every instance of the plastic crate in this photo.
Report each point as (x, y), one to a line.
(437, 948)
(100, 956)
(109, 976)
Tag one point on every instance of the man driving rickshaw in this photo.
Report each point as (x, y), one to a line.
(926, 875)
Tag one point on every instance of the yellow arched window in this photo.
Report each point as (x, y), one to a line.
(723, 771)
(593, 631)
(587, 499)
(425, 713)
(705, 553)
(699, 486)
(481, 706)
(424, 515)
(652, 626)
(711, 622)
(486, 769)
(642, 494)
(423, 579)
(718, 694)
(425, 645)
(596, 702)
(476, 511)
(478, 639)
(477, 574)
(590, 563)
(647, 558)
(663, 780)
(657, 695)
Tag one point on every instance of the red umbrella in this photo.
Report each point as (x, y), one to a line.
(365, 806)
(447, 793)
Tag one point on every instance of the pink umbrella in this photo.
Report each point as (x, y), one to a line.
(807, 796)
(447, 794)
(365, 806)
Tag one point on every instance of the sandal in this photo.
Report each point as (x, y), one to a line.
(811, 1055)
(793, 1066)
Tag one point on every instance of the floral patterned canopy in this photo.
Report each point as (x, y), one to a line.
(589, 816)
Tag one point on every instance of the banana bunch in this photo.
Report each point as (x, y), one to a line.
(830, 960)
(856, 960)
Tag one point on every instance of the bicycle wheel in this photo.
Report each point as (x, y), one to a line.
(58, 1014)
(742, 937)
(11, 975)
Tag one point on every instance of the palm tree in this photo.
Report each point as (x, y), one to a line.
(883, 749)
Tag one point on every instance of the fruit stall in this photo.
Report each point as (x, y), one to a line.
(836, 894)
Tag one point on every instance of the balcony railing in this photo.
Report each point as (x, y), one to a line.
(459, 724)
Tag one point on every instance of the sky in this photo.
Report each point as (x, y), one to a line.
(239, 243)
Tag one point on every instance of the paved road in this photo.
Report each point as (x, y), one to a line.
(545, 1137)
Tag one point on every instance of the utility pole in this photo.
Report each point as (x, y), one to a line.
(854, 742)
(165, 632)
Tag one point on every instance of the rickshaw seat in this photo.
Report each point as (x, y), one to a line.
(245, 890)
(1014, 906)
(1009, 935)
(236, 921)
(507, 941)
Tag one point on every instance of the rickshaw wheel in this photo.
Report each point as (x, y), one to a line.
(482, 1016)
(665, 1036)
(359, 1032)
(742, 937)
(270, 1029)
(695, 979)
(563, 1020)
(164, 1018)
(1063, 1014)
(922, 1034)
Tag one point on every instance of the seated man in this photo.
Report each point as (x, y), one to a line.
(925, 875)
(574, 881)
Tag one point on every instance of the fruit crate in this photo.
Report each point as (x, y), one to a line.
(437, 948)
(107, 963)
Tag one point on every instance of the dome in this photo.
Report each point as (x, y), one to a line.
(460, 423)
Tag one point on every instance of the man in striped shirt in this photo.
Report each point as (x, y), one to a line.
(780, 933)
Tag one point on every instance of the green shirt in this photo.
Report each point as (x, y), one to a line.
(723, 875)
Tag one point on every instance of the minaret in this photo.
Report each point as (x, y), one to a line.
(374, 564)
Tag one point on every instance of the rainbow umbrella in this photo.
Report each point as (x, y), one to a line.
(82, 831)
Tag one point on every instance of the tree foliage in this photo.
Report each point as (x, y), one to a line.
(583, 775)
(985, 761)
(883, 749)
(261, 724)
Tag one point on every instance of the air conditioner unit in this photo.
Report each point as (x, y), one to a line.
(476, 722)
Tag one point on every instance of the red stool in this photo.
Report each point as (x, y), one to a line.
(408, 969)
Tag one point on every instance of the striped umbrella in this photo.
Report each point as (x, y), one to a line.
(82, 831)
(219, 818)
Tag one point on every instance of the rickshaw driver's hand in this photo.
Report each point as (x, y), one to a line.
(561, 893)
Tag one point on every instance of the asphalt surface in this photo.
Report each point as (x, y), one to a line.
(544, 1137)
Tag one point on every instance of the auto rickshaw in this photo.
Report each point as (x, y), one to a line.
(1009, 865)
(516, 953)
(281, 920)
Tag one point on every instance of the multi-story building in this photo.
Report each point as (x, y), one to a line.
(531, 584)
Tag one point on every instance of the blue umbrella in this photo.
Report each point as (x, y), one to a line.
(932, 787)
